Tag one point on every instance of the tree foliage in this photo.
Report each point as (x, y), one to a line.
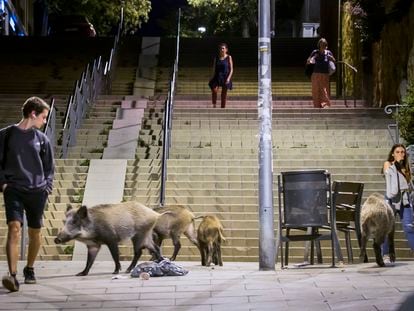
(372, 15)
(405, 116)
(221, 17)
(104, 14)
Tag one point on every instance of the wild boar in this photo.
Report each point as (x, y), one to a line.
(175, 221)
(377, 221)
(210, 235)
(110, 224)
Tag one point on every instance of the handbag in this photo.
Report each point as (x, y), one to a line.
(397, 197)
(332, 67)
(309, 70)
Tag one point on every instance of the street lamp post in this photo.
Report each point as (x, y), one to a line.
(266, 215)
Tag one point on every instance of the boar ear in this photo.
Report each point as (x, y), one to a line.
(69, 208)
(83, 212)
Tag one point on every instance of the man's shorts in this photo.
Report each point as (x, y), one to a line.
(33, 203)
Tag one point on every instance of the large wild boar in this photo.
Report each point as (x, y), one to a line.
(110, 224)
(210, 235)
(377, 221)
(174, 221)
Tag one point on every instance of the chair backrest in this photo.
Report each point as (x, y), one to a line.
(346, 197)
(306, 198)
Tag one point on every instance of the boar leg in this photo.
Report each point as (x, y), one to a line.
(113, 248)
(210, 253)
(157, 246)
(177, 247)
(154, 247)
(203, 253)
(137, 255)
(363, 249)
(92, 252)
(191, 234)
(138, 244)
(391, 245)
(217, 254)
(378, 255)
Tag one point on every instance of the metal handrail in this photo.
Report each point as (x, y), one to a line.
(355, 71)
(94, 80)
(394, 126)
(50, 126)
(168, 110)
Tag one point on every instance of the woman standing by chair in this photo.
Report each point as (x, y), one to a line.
(398, 179)
(320, 76)
(223, 71)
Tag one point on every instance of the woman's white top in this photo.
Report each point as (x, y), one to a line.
(391, 175)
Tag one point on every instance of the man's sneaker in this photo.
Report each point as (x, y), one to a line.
(29, 275)
(10, 282)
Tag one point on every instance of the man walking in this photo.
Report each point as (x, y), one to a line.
(26, 179)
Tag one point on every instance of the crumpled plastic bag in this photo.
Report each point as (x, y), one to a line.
(163, 268)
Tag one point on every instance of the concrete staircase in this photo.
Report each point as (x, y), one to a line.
(196, 67)
(287, 82)
(213, 165)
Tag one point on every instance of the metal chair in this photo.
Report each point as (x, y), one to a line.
(304, 204)
(346, 198)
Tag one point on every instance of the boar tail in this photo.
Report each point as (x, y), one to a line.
(222, 238)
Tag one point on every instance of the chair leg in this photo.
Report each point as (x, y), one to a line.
(279, 248)
(287, 248)
(286, 253)
(318, 252)
(306, 254)
(312, 254)
(337, 246)
(349, 247)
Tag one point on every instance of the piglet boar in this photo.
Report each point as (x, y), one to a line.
(110, 224)
(377, 221)
(175, 221)
(210, 235)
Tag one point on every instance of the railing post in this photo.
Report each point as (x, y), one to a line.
(389, 110)
(167, 124)
(341, 76)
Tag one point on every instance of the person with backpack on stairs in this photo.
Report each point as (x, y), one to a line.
(223, 72)
(321, 59)
(26, 180)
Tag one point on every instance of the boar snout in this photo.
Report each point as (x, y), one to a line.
(63, 237)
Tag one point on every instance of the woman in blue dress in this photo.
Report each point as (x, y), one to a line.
(223, 71)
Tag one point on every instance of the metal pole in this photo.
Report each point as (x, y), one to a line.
(266, 235)
(341, 70)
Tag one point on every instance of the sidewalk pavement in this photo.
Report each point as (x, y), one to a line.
(235, 286)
